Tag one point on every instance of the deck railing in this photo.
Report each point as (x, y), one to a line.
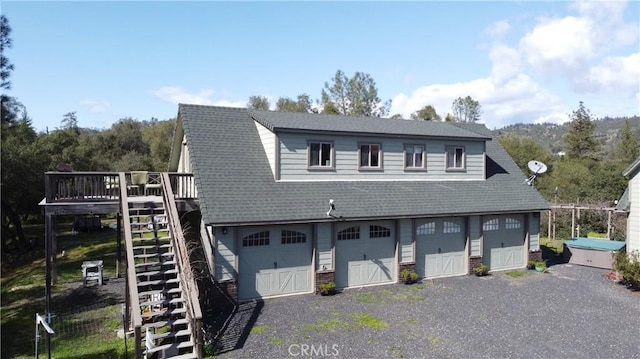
(105, 186)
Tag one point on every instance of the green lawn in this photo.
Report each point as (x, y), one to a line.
(84, 329)
(555, 246)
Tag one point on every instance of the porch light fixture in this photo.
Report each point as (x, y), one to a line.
(225, 230)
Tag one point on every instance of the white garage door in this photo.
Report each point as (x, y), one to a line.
(440, 247)
(365, 254)
(274, 261)
(503, 245)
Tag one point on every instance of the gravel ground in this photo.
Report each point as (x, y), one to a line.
(570, 312)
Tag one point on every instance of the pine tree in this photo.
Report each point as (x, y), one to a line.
(627, 149)
(580, 140)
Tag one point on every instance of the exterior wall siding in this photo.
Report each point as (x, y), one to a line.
(225, 254)
(268, 140)
(293, 159)
(324, 251)
(633, 220)
(475, 237)
(184, 165)
(207, 237)
(405, 226)
(534, 231)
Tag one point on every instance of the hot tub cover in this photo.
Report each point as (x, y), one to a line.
(595, 244)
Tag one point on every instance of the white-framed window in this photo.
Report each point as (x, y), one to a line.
(491, 225)
(512, 223)
(427, 228)
(451, 227)
(414, 157)
(456, 158)
(320, 154)
(256, 239)
(370, 155)
(349, 233)
(291, 237)
(379, 232)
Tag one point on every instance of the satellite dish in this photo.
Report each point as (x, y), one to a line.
(537, 168)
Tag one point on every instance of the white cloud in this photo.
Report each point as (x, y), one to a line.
(179, 95)
(498, 28)
(615, 75)
(227, 103)
(96, 106)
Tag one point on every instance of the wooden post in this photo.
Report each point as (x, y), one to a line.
(578, 226)
(549, 227)
(573, 221)
(54, 253)
(118, 244)
(609, 223)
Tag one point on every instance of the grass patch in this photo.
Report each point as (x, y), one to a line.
(596, 235)
(331, 325)
(434, 342)
(405, 294)
(276, 341)
(369, 321)
(516, 273)
(555, 246)
(411, 322)
(259, 329)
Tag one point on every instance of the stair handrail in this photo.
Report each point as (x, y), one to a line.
(133, 300)
(187, 280)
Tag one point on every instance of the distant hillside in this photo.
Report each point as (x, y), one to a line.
(550, 136)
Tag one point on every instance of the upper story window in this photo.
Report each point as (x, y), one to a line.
(414, 157)
(455, 158)
(320, 154)
(370, 156)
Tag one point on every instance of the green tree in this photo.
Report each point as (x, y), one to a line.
(427, 113)
(524, 149)
(466, 109)
(10, 107)
(580, 139)
(258, 103)
(302, 104)
(156, 137)
(356, 96)
(627, 149)
(449, 118)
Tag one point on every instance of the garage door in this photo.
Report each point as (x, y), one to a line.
(274, 261)
(440, 247)
(503, 242)
(365, 254)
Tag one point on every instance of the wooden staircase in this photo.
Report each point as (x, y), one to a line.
(165, 313)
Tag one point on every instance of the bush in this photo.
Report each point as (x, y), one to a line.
(531, 264)
(327, 288)
(408, 276)
(629, 265)
(481, 270)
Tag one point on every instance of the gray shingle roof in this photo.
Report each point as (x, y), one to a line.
(289, 121)
(236, 186)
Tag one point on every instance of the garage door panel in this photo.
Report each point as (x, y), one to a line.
(440, 254)
(503, 247)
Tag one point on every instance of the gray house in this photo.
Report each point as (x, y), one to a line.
(289, 200)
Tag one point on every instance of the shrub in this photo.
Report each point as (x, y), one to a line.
(408, 276)
(540, 266)
(481, 270)
(531, 264)
(327, 288)
(629, 265)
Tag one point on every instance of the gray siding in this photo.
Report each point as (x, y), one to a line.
(324, 243)
(268, 140)
(405, 226)
(633, 224)
(475, 236)
(225, 258)
(534, 231)
(207, 238)
(293, 159)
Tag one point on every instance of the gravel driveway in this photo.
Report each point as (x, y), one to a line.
(570, 312)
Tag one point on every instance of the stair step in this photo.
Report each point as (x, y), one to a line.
(142, 239)
(165, 323)
(152, 246)
(159, 291)
(166, 254)
(158, 272)
(161, 348)
(158, 282)
(156, 264)
(163, 313)
(176, 334)
(186, 356)
(162, 302)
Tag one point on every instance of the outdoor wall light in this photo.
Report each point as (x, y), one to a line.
(225, 230)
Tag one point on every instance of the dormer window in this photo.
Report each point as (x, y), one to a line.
(413, 157)
(370, 156)
(455, 158)
(320, 155)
